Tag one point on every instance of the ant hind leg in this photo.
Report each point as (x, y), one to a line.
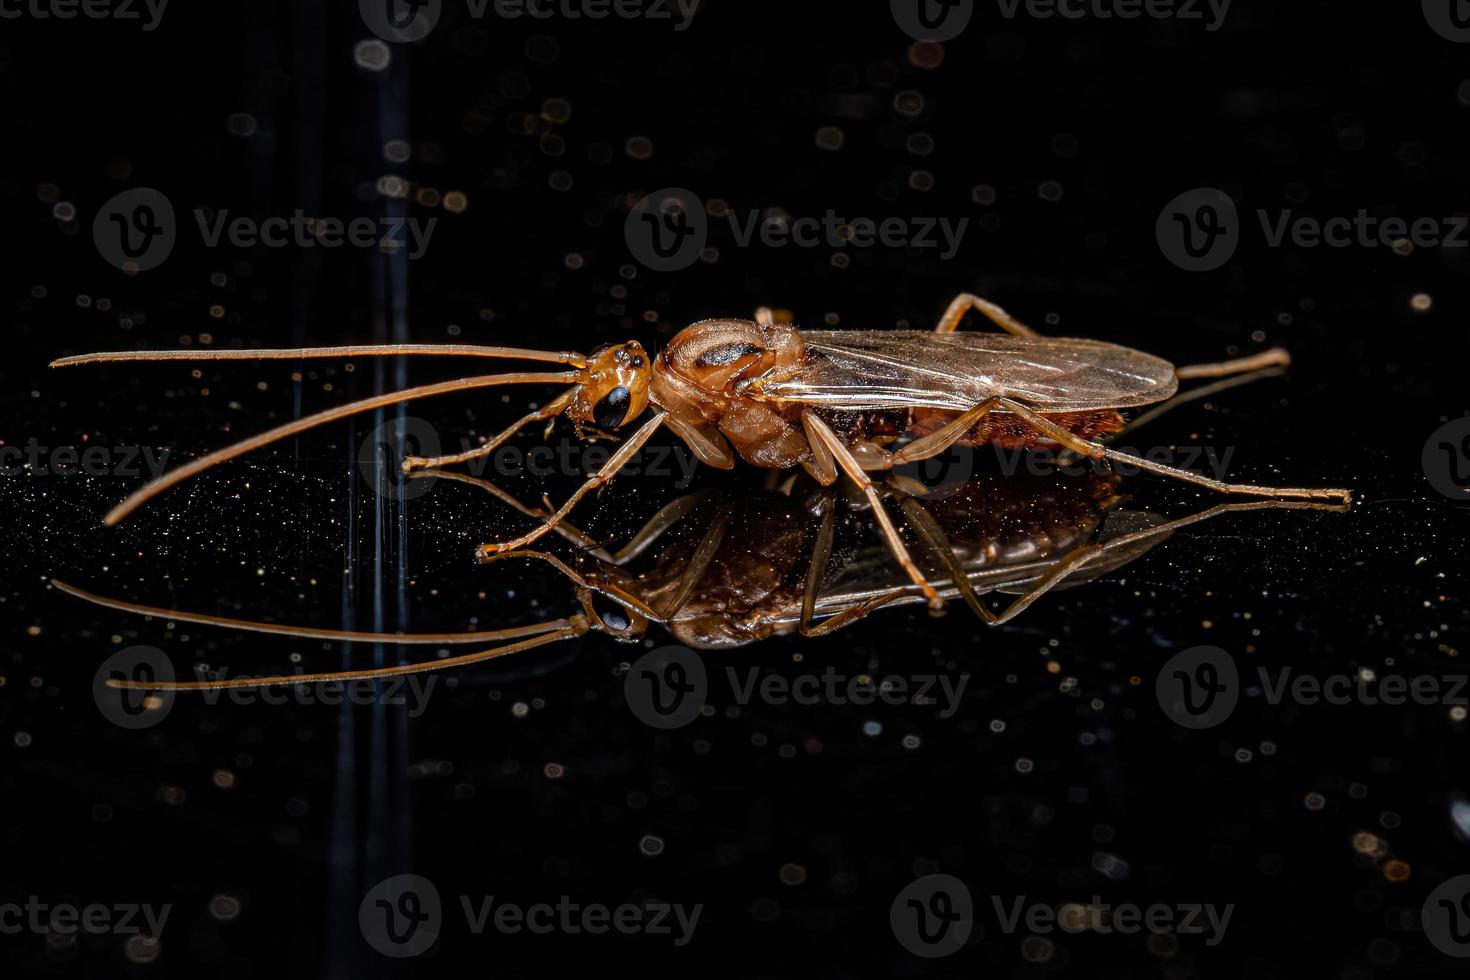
(965, 302)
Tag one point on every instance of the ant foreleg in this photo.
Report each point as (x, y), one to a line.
(550, 410)
(604, 475)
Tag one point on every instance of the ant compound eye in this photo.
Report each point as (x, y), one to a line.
(613, 408)
(613, 616)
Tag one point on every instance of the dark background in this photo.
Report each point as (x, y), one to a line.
(1321, 107)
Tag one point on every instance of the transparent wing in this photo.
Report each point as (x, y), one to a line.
(872, 370)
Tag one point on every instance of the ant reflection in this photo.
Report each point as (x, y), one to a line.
(719, 569)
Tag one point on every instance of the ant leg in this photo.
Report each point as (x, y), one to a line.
(1089, 554)
(704, 553)
(1194, 394)
(566, 529)
(550, 410)
(821, 555)
(965, 302)
(817, 568)
(565, 630)
(838, 451)
(668, 515)
(603, 476)
(875, 457)
(1097, 450)
(708, 445)
(937, 442)
(821, 466)
(1067, 457)
(610, 589)
(1275, 357)
(1082, 557)
(933, 535)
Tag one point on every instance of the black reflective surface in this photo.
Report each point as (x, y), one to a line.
(1057, 775)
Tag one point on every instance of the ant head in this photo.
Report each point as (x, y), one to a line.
(614, 387)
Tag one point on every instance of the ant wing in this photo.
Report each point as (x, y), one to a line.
(884, 370)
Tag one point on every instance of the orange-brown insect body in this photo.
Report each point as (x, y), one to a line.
(705, 373)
